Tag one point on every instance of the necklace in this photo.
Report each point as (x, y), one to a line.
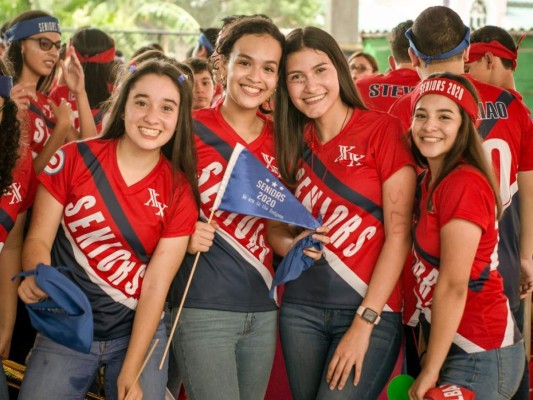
(343, 125)
(344, 121)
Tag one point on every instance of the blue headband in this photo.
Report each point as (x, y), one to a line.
(30, 27)
(427, 59)
(6, 84)
(205, 43)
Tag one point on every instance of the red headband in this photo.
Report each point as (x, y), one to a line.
(450, 89)
(100, 58)
(478, 50)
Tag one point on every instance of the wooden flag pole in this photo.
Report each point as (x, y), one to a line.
(142, 367)
(180, 308)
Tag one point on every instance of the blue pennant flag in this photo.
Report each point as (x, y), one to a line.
(294, 263)
(249, 188)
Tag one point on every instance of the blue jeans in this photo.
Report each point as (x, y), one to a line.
(57, 372)
(174, 376)
(224, 355)
(309, 337)
(492, 375)
(4, 394)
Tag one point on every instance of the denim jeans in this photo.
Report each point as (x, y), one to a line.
(492, 375)
(174, 375)
(224, 355)
(57, 372)
(309, 337)
(4, 394)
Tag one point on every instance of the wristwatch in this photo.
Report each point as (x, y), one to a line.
(368, 315)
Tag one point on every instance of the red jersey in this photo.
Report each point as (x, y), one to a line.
(62, 92)
(342, 181)
(109, 230)
(507, 132)
(236, 273)
(487, 322)
(20, 194)
(379, 92)
(40, 123)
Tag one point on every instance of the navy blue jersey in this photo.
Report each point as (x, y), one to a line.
(236, 273)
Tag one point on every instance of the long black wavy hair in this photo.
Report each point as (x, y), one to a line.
(9, 136)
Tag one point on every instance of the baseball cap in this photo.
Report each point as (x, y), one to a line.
(65, 316)
(449, 392)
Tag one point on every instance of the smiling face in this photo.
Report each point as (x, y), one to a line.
(38, 62)
(313, 83)
(251, 71)
(436, 121)
(151, 113)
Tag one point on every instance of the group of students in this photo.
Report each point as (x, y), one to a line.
(128, 211)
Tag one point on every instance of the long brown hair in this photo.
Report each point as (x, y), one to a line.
(180, 148)
(467, 148)
(14, 52)
(289, 122)
(10, 134)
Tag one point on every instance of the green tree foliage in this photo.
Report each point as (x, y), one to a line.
(126, 20)
(285, 13)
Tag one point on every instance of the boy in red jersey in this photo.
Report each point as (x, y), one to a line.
(379, 92)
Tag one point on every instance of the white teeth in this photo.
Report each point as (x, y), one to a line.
(250, 89)
(430, 139)
(315, 98)
(149, 132)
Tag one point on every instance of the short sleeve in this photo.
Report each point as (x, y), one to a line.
(58, 175)
(391, 149)
(465, 194)
(183, 218)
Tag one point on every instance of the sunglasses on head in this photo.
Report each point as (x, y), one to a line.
(46, 44)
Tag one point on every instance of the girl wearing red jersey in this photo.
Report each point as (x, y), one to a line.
(226, 336)
(119, 211)
(16, 194)
(472, 339)
(340, 320)
(35, 40)
(95, 51)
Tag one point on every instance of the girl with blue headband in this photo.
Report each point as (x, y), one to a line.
(34, 39)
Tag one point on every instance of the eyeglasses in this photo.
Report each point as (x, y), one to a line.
(360, 68)
(46, 44)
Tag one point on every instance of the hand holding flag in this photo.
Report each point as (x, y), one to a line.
(249, 188)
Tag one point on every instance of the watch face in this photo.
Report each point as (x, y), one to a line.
(370, 315)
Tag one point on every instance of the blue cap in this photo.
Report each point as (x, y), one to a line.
(65, 316)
